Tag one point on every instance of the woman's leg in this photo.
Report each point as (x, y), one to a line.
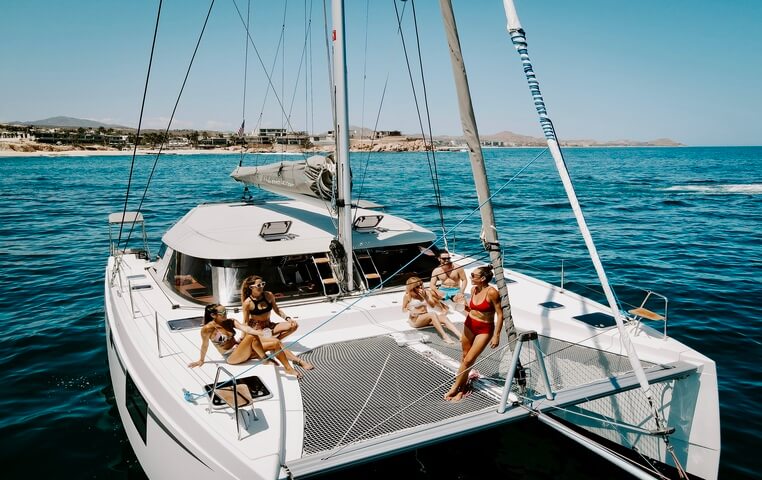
(273, 344)
(447, 323)
(284, 329)
(477, 346)
(249, 348)
(436, 321)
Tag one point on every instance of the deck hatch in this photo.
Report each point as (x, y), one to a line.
(185, 323)
(597, 319)
(551, 305)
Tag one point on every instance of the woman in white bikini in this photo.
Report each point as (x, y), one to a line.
(417, 301)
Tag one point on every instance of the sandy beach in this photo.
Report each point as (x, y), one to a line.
(34, 149)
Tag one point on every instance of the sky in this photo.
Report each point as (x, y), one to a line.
(689, 70)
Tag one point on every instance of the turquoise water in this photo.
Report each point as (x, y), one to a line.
(685, 222)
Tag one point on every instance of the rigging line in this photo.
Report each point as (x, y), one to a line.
(367, 400)
(648, 467)
(329, 62)
(241, 132)
(418, 110)
(174, 110)
(399, 270)
(262, 64)
(272, 70)
(364, 70)
(367, 158)
(299, 70)
(435, 173)
(415, 401)
(283, 114)
(140, 123)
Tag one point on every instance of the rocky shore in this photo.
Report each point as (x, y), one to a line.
(23, 147)
(30, 148)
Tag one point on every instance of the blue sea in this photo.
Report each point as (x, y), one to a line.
(684, 222)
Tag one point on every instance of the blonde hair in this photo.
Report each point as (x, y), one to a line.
(412, 283)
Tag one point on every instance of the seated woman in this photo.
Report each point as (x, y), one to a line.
(257, 304)
(417, 301)
(220, 330)
(482, 327)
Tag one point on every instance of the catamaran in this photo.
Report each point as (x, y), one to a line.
(595, 372)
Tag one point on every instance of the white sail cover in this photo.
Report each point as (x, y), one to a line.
(310, 180)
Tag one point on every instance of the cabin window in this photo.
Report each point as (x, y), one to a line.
(191, 277)
(137, 407)
(288, 277)
(387, 261)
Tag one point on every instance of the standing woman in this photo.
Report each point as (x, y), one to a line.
(483, 325)
(220, 331)
(417, 301)
(257, 304)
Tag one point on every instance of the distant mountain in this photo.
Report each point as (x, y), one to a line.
(68, 122)
(514, 139)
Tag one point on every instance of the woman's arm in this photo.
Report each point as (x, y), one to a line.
(247, 329)
(405, 301)
(205, 335)
(276, 308)
(494, 297)
(245, 308)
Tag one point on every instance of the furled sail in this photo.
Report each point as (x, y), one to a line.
(310, 180)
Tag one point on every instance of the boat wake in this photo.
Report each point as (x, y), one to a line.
(729, 189)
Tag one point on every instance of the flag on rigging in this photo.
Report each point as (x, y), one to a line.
(240, 130)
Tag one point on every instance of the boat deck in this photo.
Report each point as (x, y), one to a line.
(384, 394)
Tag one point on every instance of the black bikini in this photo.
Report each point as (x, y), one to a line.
(260, 306)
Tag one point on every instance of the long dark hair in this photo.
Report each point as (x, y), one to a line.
(246, 286)
(226, 324)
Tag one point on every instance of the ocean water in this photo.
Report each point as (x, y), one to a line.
(685, 222)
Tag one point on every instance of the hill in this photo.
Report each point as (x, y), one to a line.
(69, 122)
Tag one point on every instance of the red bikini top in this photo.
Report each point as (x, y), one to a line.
(485, 306)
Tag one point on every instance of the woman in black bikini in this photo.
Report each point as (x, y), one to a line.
(483, 325)
(220, 331)
(257, 304)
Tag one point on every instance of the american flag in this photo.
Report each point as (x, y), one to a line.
(240, 130)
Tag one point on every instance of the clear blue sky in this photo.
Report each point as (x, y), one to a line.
(689, 70)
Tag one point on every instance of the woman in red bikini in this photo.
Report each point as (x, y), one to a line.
(483, 326)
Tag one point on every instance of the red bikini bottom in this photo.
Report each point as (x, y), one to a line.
(477, 327)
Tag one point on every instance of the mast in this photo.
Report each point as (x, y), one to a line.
(468, 120)
(519, 41)
(341, 130)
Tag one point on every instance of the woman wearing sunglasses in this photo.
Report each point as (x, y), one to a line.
(220, 331)
(257, 305)
(482, 327)
(417, 301)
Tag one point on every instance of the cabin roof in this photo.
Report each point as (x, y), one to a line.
(230, 231)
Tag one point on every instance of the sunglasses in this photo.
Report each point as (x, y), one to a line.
(444, 259)
(221, 312)
(258, 285)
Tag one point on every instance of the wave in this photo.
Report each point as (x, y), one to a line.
(728, 189)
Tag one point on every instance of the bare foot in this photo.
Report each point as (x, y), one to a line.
(449, 396)
(304, 364)
(448, 340)
(457, 398)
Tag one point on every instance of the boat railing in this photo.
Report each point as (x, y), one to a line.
(236, 393)
(516, 367)
(646, 311)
